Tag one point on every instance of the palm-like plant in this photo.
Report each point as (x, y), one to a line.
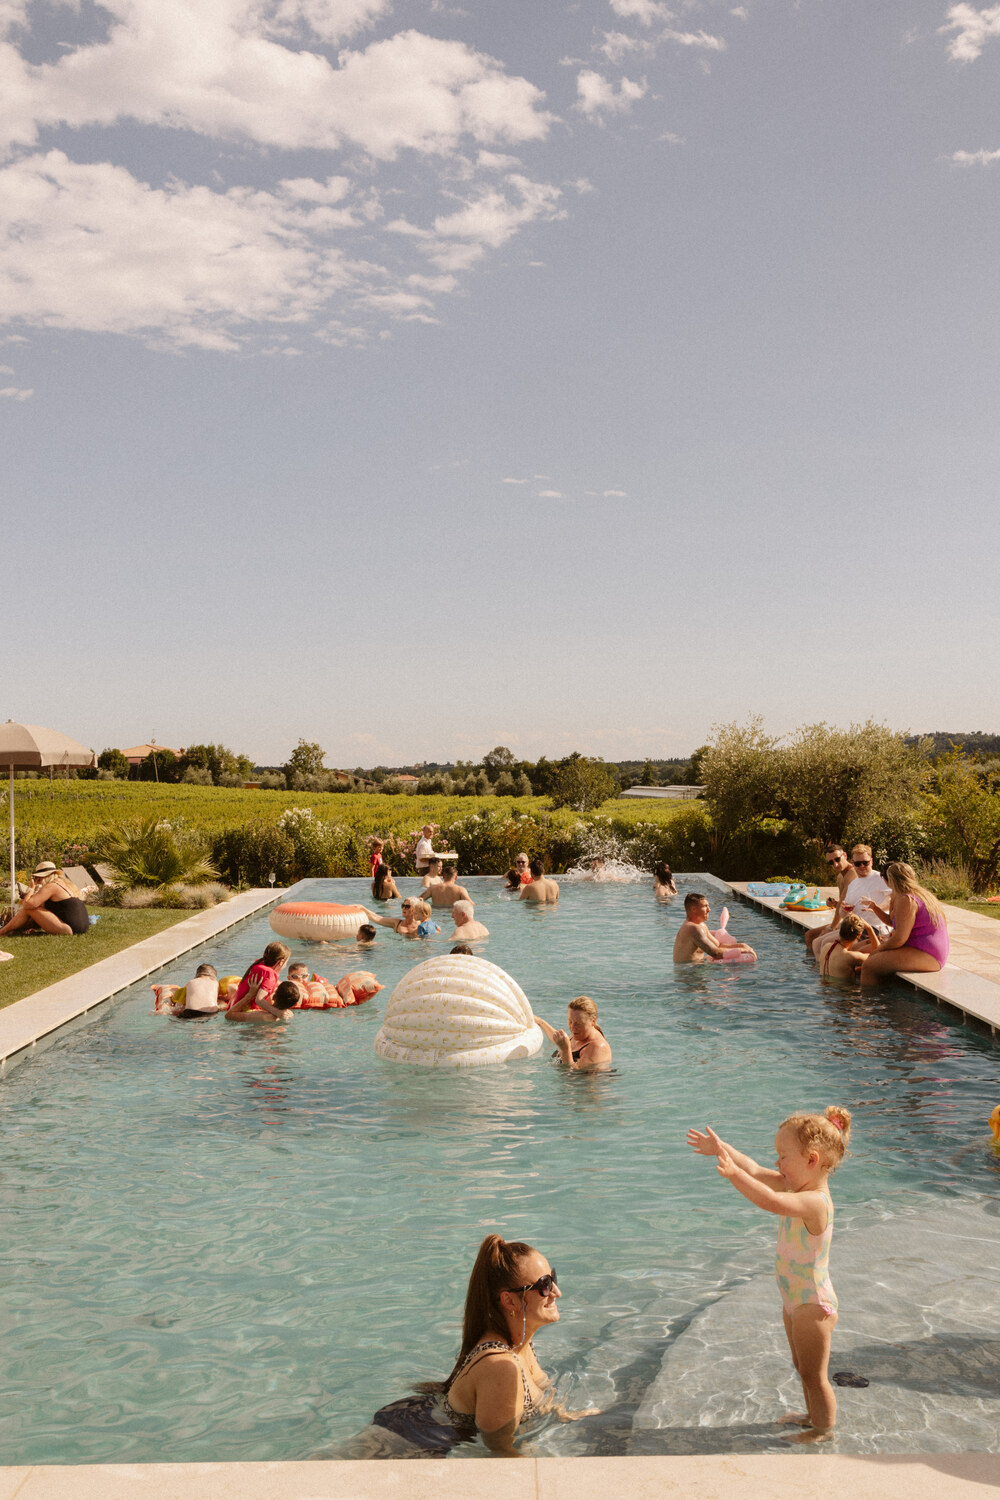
(148, 852)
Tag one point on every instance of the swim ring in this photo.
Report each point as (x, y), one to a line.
(353, 989)
(732, 952)
(457, 1011)
(316, 921)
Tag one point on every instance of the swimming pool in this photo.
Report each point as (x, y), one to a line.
(235, 1243)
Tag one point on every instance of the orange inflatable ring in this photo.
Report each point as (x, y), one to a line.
(316, 921)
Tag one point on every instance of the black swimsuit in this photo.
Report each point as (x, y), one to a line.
(70, 910)
(429, 1421)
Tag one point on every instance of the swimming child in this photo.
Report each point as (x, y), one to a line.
(809, 1148)
(842, 952)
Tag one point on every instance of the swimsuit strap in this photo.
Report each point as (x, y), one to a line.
(493, 1346)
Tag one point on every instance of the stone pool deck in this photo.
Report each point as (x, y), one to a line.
(29, 1022)
(945, 1476)
(969, 983)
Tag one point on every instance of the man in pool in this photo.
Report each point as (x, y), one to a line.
(446, 891)
(467, 929)
(694, 943)
(541, 892)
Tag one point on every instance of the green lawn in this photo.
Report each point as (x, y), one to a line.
(43, 960)
(979, 906)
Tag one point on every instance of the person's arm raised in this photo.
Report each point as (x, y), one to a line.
(711, 1144)
(810, 1207)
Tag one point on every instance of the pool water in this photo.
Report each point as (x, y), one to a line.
(234, 1243)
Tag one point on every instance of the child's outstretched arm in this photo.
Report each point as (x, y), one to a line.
(711, 1145)
(810, 1206)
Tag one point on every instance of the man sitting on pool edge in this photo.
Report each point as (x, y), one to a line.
(694, 943)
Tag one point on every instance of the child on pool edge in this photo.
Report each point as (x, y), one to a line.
(809, 1148)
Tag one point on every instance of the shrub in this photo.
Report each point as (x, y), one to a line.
(197, 776)
(964, 814)
(837, 780)
(150, 852)
(582, 783)
(246, 855)
(115, 762)
(950, 881)
(272, 783)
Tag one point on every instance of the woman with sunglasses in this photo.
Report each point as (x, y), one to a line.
(496, 1384)
(408, 925)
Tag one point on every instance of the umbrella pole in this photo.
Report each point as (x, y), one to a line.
(13, 882)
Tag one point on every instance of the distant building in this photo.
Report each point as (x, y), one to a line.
(677, 793)
(137, 754)
(407, 780)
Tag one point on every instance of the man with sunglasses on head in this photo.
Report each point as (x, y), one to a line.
(839, 864)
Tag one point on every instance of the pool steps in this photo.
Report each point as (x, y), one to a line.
(975, 938)
(29, 1022)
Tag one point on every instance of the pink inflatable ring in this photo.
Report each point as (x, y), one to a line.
(316, 921)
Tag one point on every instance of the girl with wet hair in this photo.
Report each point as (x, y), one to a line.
(809, 1149)
(664, 886)
(383, 885)
(496, 1383)
(261, 979)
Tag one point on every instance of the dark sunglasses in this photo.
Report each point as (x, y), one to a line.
(859, 864)
(833, 862)
(542, 1286)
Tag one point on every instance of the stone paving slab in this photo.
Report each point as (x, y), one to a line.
(970, 981)
(26, 1022)
(962, 1476)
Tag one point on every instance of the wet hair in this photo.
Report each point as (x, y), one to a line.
(693, 898)
(465, 907)
(382, 874)
(513, 879)
(586, 1007)
(537, 868)
(300, 965)
(286, 996)
(827, 1133)
(366, 931)
(903, 879)
(449, 870)
(206, 971)
(462, 948)
(436, 860)
(663, 873)
(273, 957)
(420, 909)
(495, 1271)
(851, 928)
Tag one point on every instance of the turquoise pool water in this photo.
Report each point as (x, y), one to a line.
(236, 1243)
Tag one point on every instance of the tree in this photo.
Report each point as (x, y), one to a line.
(965, 809)
(305, 760)
(741, 770)
(837, 784)
(218, 761)
(648, 777)
(499, 759)
(582, 782)
(115, 762)
(159, 765)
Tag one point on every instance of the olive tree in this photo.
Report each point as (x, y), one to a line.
(742, 773)
(841, 783)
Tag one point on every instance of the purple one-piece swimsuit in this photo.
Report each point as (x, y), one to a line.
(924, 935)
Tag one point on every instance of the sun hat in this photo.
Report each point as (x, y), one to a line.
(45, 868)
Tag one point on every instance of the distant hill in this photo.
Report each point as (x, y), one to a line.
(974, 742)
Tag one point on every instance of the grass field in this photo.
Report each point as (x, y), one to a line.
(39, 961)
(73, 811)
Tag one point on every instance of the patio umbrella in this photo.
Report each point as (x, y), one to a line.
(29, 747)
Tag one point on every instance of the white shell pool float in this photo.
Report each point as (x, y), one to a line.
(457, 1011)
(316, 921)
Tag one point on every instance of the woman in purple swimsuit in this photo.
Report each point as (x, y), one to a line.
(918, 942)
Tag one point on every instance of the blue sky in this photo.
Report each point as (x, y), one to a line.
(415, 377)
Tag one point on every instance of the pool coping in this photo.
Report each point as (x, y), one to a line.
(732, 1476)
(973, 995)
(38, 1017)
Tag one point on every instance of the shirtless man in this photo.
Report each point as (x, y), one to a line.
(839, 863)
(446, 891)
(467, 929)
(541, 891)
(432, 876)
(694, 943)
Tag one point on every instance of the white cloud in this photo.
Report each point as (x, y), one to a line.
(974, 29)
(513, 481)
(483, 222)
(643, 11)
(15, 393)
(550, 494)
(596, 95)
(740, 11)
(329, 20)
(696, 39)
(6, 369)
(975, 158)
(209, 67)
(617, 45)
(615, 495)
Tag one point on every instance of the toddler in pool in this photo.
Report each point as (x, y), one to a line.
(809, 1148)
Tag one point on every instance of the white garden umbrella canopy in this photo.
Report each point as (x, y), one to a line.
(29, 747)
